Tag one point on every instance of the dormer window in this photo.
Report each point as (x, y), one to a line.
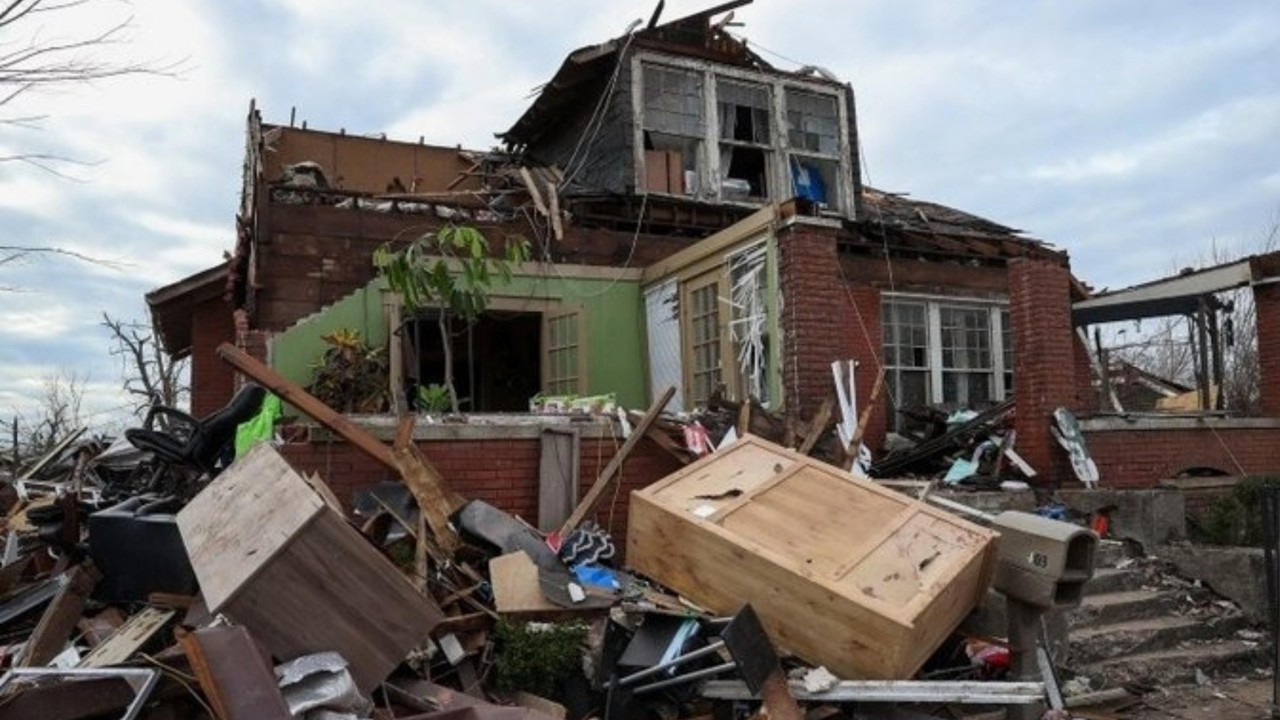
(732, 135)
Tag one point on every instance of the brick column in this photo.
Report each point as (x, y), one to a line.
(819, 323)
(1266, 300)
(1045, 354)
(212, 380)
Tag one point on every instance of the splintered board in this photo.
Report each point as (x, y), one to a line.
(841, 571)
(274, 557)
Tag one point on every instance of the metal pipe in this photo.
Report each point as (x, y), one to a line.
(688, 677)
(700, 652)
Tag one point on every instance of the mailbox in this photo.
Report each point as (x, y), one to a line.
(1043, 562)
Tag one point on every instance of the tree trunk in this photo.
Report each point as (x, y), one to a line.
(447, 346)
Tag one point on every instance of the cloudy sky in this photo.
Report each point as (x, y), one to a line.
(1135, 135)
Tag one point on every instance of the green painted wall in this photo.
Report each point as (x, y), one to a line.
(614, 328)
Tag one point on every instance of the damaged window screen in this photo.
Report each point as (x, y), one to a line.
(750, 321)
(743, 114)
(813, 122)
(673, 127)
(704, 324)
(906, 355)
(562, 355)
(966, 355)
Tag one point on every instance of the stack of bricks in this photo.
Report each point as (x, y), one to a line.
(1044, 361)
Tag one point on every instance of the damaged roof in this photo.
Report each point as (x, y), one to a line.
(583, 73)
(173, 305)
(931, 228)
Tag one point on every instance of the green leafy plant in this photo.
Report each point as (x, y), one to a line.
(538, 657)
(453, 270)
(351, 376)
(433, 398)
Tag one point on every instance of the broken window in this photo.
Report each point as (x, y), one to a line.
(813, 132)
(705, 340)
(673, 129)
(563, 354)
(966, 355)
(749, 326)
(906, 356)
(745, 140)
(496, 361)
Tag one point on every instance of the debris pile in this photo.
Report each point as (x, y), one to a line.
(755, 576)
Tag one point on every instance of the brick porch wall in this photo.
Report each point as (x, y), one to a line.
(501, 472)
(1142, 458)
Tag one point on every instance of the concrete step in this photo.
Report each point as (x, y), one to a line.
(1110, 580)
(1111, 552)
(1102, 642)
(1174, 666)
(1115, 607)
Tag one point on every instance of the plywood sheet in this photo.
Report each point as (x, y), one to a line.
(261, 492)
(516, 591)
(720, 479)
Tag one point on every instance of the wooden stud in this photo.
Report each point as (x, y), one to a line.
(596, 493)
(816, 427)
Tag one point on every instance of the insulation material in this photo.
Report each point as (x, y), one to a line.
(750, 317)
(663, 321)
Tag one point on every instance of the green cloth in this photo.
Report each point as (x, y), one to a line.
(261, 427)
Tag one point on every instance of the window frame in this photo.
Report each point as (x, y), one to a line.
(996, 309)
(548, 373)
(689, 344)
(779, 153)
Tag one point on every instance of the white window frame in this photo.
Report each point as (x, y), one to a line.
(933, 326)
(779, 174)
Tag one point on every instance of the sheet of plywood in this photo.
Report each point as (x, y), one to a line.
(720, 479)
(557, 477)
(256, 492)
(516, 591)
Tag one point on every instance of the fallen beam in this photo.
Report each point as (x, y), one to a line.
(895, 691)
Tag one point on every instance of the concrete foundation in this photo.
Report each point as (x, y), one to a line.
(1236, 573)
(1148, 517)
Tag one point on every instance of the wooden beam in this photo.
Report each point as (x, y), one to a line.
(435, 499)
(816, 427)
(59, 620)
(307, 403)
(852, 452)
(594, 495)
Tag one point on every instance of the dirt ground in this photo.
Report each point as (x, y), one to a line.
(1226, 700)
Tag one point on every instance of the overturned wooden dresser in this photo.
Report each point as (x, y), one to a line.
(842, 572)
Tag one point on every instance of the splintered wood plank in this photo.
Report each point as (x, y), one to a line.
(260, 491)
(128, 638)
(53, 632)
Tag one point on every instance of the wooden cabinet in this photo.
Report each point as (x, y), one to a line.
(272, 556)
(842, 572)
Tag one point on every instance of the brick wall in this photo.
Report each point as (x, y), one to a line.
(1142, 458)
(818, 319)
(212, 381)
(501, 472)
(1267, 302)
(1044, 361)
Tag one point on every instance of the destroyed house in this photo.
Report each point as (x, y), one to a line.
(697, 221)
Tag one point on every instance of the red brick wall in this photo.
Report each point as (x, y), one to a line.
(818, 320)
(1044, 361)
(1142, 458)
(212, 381)
(1267, 301)
(1087, 399)
(501, 472)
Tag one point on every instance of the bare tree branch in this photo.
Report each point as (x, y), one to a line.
(150, 374)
